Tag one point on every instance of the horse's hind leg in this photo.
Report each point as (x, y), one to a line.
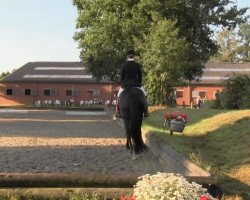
(134, 156)
(134, 150)
(127, 144)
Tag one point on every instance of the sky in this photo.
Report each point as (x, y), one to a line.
(40, 30)
(36, 30)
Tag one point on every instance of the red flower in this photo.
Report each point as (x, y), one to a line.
(176, 115)
(204, 197)
(132, 198)
(122, 198)
(183, 116)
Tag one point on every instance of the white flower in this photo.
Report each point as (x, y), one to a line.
(165, 186)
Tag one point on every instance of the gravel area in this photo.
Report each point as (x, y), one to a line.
(54, 142)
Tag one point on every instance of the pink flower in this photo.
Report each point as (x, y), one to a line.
(122, 198)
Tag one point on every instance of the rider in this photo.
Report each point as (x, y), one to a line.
(131, 72)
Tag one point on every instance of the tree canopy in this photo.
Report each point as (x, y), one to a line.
(236, 94)
(228, 46)
(108, 29)
(244, 33)
(234, 44)
(163, 55)
(4, 74)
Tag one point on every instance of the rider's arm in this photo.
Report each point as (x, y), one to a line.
(122, 74)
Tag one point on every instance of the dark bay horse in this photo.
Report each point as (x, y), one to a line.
(132, 109)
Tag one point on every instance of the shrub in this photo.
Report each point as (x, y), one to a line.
(212, 104)
(236, 90)
(236, 93)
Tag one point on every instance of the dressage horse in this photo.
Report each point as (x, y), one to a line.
(132, 109)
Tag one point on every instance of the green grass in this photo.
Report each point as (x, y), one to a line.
(216, 140)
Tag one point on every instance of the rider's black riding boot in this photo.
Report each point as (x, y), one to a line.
(117, 111)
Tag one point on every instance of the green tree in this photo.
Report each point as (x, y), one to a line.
(229, 46)
(244, 34)
(105, 36)
(193, 18)
(107, 29)
(163, 56)
(236, 93)
(4, 74)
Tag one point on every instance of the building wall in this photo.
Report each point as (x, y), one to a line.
(106, 92)
(191, 92)
(81, 92)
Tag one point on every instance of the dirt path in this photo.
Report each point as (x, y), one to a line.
(54, 142)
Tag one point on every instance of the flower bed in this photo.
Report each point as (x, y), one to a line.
(164, 186)
(177, 116)
(176, 121)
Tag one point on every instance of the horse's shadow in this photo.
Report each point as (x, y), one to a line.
(131, 102)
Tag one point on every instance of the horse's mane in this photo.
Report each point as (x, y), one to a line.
(128, 86)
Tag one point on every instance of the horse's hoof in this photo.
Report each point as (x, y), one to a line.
(135, 157)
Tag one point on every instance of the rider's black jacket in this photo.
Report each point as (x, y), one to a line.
(131, 73)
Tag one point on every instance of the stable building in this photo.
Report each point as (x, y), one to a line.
(209, 84)
(69, 83)
(52, 82)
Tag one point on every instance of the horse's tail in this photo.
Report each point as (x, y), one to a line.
(136, 115)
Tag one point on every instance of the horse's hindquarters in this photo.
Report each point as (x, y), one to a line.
(131, 109)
